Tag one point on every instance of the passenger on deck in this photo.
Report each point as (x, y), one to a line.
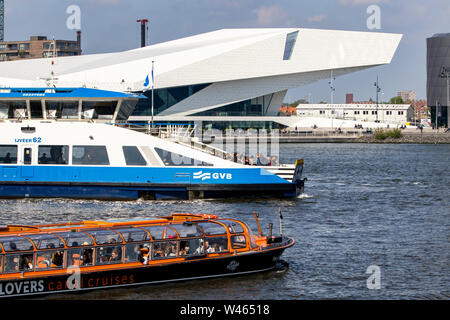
(114, 256)
(209, 248)
(7, 158)
(26, 262)
(43, 159)
(12, 264)
(184, 251)
(274, 161)
(87, 255)
(57, 258)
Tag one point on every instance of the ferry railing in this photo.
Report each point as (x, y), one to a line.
(184, 136)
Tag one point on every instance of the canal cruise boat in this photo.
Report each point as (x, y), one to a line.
(74, 143)
(80, 256)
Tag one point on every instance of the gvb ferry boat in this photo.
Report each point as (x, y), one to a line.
(57, 142)
(79, 256)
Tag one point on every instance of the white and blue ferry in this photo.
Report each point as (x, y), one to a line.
(60, 142)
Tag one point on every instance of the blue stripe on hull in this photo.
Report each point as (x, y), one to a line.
(197, 175)
(76, 192)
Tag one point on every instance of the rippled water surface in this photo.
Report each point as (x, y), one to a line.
(383, 205)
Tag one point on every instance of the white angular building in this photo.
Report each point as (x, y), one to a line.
(225, 76)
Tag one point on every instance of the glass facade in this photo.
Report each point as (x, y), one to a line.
(165, 98)
(252, 107)
(289, 45)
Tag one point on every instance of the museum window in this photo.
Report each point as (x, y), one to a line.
(289, 45)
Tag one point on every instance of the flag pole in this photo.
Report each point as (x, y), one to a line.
(153, 85)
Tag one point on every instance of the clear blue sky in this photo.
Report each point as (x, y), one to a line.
(110, 25)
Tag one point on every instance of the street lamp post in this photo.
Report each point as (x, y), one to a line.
(445, 73)
(332, 89)
(378, 89)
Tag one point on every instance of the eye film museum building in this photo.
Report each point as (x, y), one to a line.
(230, 78)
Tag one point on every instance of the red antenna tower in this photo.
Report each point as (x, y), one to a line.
(143, 25)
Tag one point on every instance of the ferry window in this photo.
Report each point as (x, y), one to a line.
(76, 239)
(136, 252)
(69, 110)
(191, 247)
(13, 109)
(133, 157)
(18, 262)
(16, 244)
(90, 155)
(238, 242)
(36, 109)
(8, 154)
(4, 110)
(174, 159)
(233, 227)
(49, 259)
(216, 244)
(105, 236)
(109, 255)
(98, 109)
(133, 234)
(188, 229)
(164, 249)
(46, 241)
(53, 155)
(161, 232)
(212, 228)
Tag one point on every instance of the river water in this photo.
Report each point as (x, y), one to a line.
(384, 206)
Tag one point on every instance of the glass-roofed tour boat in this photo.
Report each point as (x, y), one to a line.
(87, 255)
(66, 142)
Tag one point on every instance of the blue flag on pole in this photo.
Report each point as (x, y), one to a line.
(148, 84)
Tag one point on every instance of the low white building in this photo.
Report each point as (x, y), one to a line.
(385, 113)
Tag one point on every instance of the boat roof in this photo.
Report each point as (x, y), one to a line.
(75, 93)
(104, 224)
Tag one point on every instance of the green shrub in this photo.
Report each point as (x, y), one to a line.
(394, 133)
(379, 134)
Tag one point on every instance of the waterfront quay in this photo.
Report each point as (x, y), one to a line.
(329, 135)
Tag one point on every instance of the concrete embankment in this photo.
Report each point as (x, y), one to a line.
(314, 136)
(429, 138)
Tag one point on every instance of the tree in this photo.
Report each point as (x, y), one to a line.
(296, 103)
(396, 100)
